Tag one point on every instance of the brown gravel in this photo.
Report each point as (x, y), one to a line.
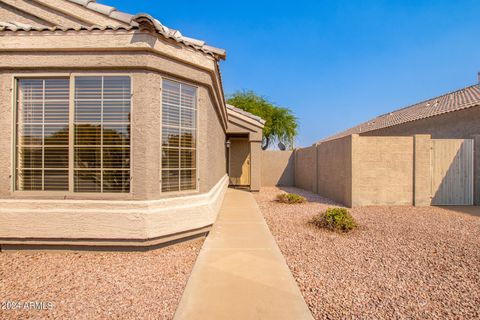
(98, 285)
(403, 262)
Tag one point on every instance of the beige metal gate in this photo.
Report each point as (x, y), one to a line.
(452, 171)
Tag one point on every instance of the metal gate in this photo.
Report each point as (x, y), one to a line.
(452, 171)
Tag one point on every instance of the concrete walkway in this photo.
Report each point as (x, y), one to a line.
(240, 272)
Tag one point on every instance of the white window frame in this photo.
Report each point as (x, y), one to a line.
(197, 137)
(71, 76)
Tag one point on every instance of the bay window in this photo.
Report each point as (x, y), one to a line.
(78, 145)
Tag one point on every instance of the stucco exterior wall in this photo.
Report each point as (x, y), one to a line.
(212, 148)
(305, 167)
(278, 168)
(382, 170)
(334, 170)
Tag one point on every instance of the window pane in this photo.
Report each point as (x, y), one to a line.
(116, 134)
(116, 181)
(29, 157)
(170, 158)
(116, 87)
(114, 157)
(116, 111)
(88, 88)
(56, 135)
(187, 139)
(188, 118)
(55, 157)
(30, 112)
(87, 157)
(56, 180)
(29, 180)
(56, 112)
(188, 158)
(170, 180)
(170, 137)
(29, 134)
(187, 180)
(87, 134)
(30, 89)
(57, 89)
(88, 181)
(171, 115)
(88, 111)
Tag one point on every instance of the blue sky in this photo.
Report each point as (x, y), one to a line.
(334, 63)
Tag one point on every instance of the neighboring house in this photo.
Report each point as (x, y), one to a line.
(455, 115)
(113, 127)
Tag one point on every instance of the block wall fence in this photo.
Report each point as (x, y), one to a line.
(361, 170)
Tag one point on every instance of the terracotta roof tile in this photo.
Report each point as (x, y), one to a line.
(133, 22)
(450, 102)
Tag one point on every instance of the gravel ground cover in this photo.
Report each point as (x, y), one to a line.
(402, 262)
(97, 285)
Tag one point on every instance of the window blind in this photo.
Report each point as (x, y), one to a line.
(42, 134)
(102, 134)
(179, 136)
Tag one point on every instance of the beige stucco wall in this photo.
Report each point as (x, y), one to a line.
(382, 170)
(334, 170)
(305, 166)
(278, 168)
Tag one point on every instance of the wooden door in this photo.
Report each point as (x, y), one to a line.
(239, 166)
(452, 171)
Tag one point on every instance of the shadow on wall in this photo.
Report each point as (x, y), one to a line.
(452, 172)
(311, 197)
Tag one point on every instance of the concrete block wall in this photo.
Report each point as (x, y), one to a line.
(305, 162)
(334, 170)
(278, 168)
(359, 170)
(382, 170)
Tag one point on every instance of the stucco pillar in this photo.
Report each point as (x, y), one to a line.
(255, 165)
(422, 144)
(476, 169)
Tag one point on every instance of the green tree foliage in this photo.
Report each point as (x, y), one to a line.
(280, 126)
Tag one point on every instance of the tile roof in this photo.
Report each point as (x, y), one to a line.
(450, 102)
(132, 22)
(245, 113)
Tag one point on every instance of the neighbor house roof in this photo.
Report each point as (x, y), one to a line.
(119, 20)
(232, 109)
(450, 102)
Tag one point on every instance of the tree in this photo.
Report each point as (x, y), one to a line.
(280, 123)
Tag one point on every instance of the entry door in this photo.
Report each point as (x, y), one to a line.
(452, 171)
(239, 166)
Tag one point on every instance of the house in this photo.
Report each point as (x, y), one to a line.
(455, 115)
(113, 128)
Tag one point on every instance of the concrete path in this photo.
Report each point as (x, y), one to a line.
(240, 272)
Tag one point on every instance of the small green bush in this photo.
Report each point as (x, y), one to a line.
(335, 219)
(290, 198)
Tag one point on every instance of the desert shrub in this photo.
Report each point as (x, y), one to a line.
(290, 198)
(335, 219)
